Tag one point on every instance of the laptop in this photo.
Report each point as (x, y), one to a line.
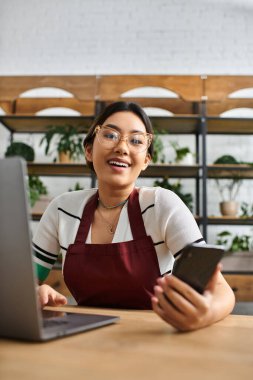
(21, 316)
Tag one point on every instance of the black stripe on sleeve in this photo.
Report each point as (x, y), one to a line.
(44, 258)
(65, 249)
(36, 248)
(67, 213)
(179, 252)
(168, 272)
(147, 208)
(199, 240)
(158, 243)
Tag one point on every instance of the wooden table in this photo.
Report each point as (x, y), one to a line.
(140, 346)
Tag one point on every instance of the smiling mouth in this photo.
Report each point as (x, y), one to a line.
(118, 164)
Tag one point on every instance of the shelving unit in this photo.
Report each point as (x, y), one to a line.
(238, 270)
(39, 124)
(195, 112)
(185, 121)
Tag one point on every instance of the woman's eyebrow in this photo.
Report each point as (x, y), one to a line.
(120, 129)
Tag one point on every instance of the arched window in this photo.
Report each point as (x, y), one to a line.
(2, 112)
(155, 111)
(58, 111)
(238, 112)
(149, 92)
(244, 93)
(46, 92)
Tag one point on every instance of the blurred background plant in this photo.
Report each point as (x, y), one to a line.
(246, 210)
(235, 243)
(36, 189)
(76, 187)
(158, 153)
(68, 142)
(20, 149)
(177, 189)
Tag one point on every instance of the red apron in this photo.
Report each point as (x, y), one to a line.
(116, 275)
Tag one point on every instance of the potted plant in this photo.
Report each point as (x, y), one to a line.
(20, 149)
(184, 156)
(37, 193)
(235, 243)
(239, 250)
(76, 187)
(158, 155)
(177, 189)
(246, 210)
(69, 143)
(229, 188)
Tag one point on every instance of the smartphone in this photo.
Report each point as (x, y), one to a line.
(197, 263)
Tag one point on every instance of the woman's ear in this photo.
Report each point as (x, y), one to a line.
(146, 161)
(88, 153)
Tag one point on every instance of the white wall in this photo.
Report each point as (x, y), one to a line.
(130, 37)
(126, 36)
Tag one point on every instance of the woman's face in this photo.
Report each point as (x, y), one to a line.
(119, 165)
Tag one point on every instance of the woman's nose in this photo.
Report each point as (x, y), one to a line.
(122, 146)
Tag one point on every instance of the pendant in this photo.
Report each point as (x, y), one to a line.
(110, 229)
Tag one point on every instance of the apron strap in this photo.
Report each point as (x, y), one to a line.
(87, 219)
(135, 216)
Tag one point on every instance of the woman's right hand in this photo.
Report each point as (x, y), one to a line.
(50, 297)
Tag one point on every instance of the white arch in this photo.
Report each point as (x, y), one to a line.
(238, 112)
(244, 93)
(149, 92)
(2, 112)
(46, 92)
(156, 111)
(58, 111)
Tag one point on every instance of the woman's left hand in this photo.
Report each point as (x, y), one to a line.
(180, 305)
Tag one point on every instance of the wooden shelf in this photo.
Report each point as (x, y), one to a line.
(230, 171)
(36, 217)
(57, 169)
(225, 220)
(39, 124)
(80, 169)
(170, 170)
(225, 125)
(176, 124)
(241, 283)
(238, 262)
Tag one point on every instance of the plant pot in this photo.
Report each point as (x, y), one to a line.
(188, 159)
(229, 208)
(64, 157)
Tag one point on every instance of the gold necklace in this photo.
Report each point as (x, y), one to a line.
(111, 207)
(109, 226)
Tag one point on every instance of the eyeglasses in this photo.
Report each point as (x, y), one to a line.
(109, 138)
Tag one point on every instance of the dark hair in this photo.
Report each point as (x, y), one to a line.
(110, 110)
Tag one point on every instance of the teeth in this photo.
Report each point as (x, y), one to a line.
(116, 163)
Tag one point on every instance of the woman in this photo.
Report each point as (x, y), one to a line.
(118, 242)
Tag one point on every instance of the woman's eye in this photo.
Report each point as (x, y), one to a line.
(137, 140)
(110, 136)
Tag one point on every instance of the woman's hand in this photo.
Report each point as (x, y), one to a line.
(49, 296)
(183, 307)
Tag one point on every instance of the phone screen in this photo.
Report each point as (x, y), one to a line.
(196, 264)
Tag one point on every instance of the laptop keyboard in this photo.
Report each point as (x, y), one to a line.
(52, 319)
